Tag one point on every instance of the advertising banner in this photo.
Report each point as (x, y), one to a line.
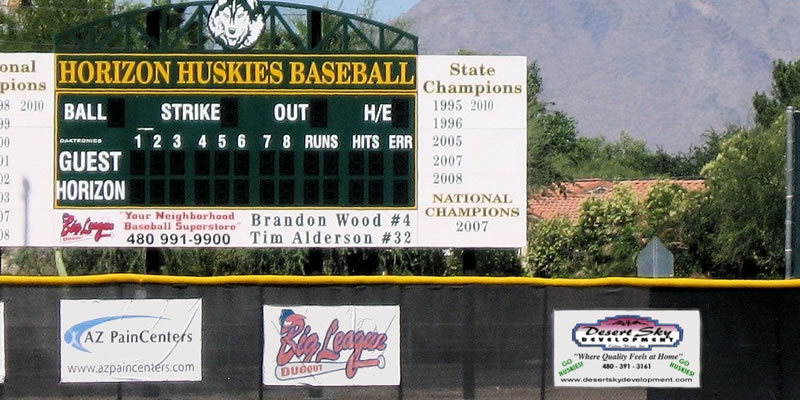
(615, 348)
(27, 110)
(146, 340)
(472, 151)
(331, 346)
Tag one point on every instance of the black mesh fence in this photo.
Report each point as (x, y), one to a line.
(457, 341)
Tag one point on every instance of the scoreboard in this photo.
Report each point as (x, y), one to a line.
(245, 151)
(262, 150)
(246, 142)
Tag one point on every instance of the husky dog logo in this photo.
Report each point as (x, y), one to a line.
(236, 24)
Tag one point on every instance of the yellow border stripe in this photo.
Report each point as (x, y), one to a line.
(391, 280)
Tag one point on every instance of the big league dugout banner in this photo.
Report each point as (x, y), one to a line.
(135, 336)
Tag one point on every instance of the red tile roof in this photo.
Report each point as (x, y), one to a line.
(549, 204)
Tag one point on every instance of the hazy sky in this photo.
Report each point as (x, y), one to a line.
(384, 10)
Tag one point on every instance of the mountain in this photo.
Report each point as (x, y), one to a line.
(664, 71)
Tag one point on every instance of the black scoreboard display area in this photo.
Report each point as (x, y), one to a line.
(248, 150)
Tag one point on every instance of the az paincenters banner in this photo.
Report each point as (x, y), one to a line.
(614, 348)
(332, 346)
(146, 340)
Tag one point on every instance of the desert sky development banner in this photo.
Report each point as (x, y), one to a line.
(331, 346)
(131, 340)
(614, 348)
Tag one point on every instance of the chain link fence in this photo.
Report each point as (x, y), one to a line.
(457, 341)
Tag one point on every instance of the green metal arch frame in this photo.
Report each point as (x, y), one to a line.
(125, 33)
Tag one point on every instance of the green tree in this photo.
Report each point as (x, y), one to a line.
(692, 163)
(603, 242)
(609, 232)
(689, 237)
(612, 230)
(551, 249)
(784, 93)
(628, 158)
(78, 261)
(216, 262)
(679, 218)
(746, 189)
(430, 262)
(533, 77)
(551, 135)
(734, 229)
(32, 25)
(598, 158)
